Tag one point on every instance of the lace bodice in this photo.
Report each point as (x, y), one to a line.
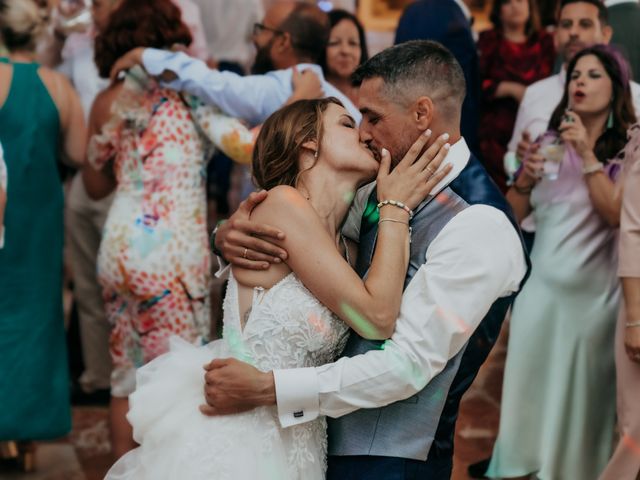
(287, 327)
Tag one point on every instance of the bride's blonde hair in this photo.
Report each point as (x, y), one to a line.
(21, 23)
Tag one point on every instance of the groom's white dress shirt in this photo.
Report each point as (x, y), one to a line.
(476, 258)
(252, 98)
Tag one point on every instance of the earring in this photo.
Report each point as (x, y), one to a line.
(610, 120)
(315, 154)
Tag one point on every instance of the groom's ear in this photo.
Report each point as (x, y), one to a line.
(423, 112)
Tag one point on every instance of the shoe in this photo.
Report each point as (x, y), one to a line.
(478, 469)
(100, 397)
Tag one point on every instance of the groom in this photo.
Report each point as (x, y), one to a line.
(395, 403)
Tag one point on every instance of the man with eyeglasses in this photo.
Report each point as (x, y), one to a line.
(292, 34)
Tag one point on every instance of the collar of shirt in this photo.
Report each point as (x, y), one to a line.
(611, 3)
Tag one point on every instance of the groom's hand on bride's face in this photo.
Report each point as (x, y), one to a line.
(232, 386)
(249, 244)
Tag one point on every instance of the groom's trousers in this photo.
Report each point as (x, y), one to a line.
(364, 467)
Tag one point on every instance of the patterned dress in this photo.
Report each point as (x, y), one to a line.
(153, 262)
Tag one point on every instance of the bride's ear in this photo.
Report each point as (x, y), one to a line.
(312, 147)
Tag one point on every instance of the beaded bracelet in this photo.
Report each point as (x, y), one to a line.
(395, 203)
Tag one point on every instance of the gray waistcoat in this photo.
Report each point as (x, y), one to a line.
(406, 428)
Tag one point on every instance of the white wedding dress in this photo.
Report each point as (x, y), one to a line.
(287, 328)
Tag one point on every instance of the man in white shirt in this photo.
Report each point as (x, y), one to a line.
(292, 35)
(467, 261)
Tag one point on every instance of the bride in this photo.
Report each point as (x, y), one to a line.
(309, 157)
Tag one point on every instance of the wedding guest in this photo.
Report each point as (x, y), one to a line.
(41, 123)
(346, 50)
(153, 261)
(624, 16)
(513, 55)
(558, 410)
(625, 462)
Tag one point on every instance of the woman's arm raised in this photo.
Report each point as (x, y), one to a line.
(369, 306)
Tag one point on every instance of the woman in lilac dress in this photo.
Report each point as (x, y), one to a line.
(558, 401)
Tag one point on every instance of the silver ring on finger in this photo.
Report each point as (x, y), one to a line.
(244, 254)
(430, 171)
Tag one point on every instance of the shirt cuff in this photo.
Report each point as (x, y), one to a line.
(155, 62)
(297, 395)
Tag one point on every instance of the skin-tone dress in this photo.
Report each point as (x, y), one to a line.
(625, 462)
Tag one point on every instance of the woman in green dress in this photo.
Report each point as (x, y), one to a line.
(41, 122)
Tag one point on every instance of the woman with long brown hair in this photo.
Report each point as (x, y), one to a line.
(558, 402)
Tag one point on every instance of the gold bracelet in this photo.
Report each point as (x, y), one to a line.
(392, 220)
(591, 169)
(522, 190)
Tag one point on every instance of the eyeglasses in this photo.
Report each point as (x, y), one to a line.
(258, 28)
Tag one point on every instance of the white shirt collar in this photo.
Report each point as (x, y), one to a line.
(611, 3)
(458, 157)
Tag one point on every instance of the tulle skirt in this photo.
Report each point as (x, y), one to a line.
(178, 442)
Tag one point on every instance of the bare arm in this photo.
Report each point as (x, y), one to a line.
(514, 90)
(519, 195)
(370, 307)
(73, 127)
(631, 290)
(100, 182)
(601, 188)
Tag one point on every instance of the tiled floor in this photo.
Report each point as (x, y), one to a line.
(84, 455)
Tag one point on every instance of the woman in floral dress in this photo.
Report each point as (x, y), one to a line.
(151, 145)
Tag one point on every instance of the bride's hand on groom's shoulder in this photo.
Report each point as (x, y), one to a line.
(232, 386)
(250, 244)
(419, 171)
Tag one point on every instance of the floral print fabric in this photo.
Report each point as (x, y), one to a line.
(153, 262)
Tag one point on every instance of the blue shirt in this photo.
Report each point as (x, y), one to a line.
(252, 98)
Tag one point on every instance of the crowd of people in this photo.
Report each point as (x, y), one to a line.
(138, 141)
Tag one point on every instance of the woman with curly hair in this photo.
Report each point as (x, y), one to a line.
(150, 145)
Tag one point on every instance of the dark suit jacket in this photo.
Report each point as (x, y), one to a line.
(625, 21)
(444, 22)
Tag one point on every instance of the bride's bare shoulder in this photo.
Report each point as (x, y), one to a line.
(283, 203)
